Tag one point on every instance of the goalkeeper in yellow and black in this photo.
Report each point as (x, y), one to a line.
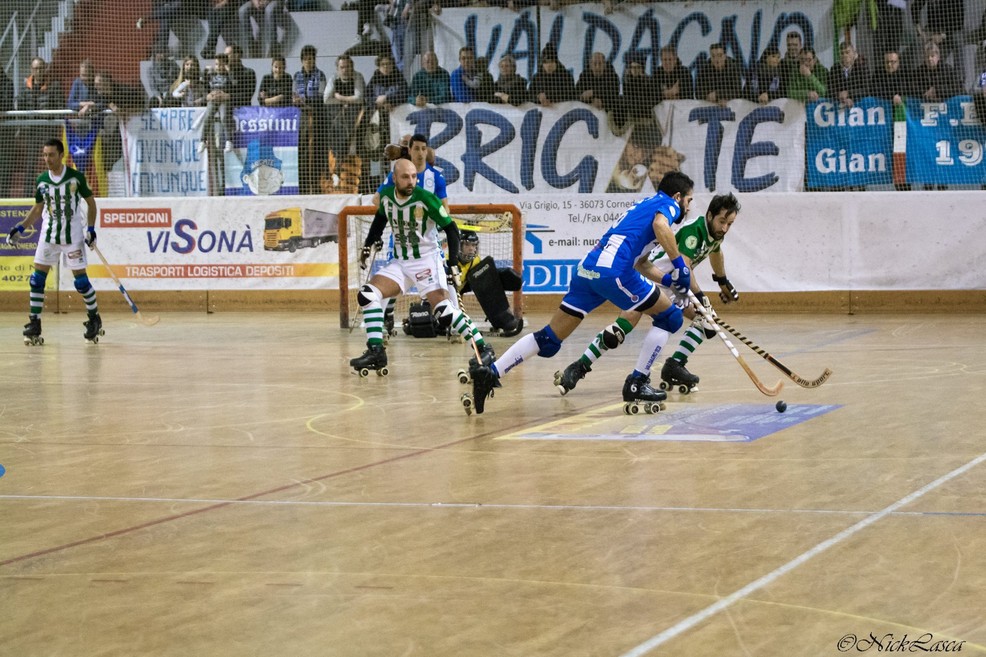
(490, 284)
(415, 216)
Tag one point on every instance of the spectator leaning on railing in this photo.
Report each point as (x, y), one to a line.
(847, 80)
(808, 84)
(510, 88)
(431, 85)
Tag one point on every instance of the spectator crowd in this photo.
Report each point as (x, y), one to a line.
(345, 117)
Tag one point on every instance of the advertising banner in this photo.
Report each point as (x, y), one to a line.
(215, 243)
(945, 143)
(162, 155)
(264, 160)
(16, 264)
(849, 146)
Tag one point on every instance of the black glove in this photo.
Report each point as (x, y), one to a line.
(90, 236)
(366, 251)
(727, 292)
(14, 232)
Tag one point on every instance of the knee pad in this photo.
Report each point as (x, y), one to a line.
(82, 283)
(548, 342)
(613, 336)
(38, 279)
(367, 295)
(670, 320)
(443, 314)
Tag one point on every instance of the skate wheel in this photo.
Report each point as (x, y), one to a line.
(684, 389)
(102, 332)
(664, 386)
(363, 373)
(466, 400)
(651, 409)
(562, 390)
(463, 377)
(383, 371)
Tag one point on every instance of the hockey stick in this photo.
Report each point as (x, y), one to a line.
(358, 315)
(146, 321)
(699, 308)
(804, 383)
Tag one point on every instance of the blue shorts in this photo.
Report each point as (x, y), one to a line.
(589, 290)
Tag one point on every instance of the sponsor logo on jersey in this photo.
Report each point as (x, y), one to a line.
(423, 275)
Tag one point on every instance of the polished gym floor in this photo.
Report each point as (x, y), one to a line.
(221, 484)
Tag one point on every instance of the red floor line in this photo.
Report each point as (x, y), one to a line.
(247, 498)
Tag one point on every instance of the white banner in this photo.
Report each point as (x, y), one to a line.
(570, 147)
(742, 147)
(579, 30)
(161, 154)
(224, 244)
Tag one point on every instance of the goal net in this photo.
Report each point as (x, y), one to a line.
(501, 235)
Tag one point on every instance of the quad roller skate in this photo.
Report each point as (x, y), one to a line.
(374, 358)
(389, 330)
(484, 380)
(639, 395)
(464, 375)
(94, 328)
(32, 332)
(566, 380)
(674, 375)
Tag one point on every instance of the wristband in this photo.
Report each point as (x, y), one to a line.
(678, 263)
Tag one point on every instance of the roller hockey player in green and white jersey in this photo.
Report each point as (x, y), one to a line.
(415, 216)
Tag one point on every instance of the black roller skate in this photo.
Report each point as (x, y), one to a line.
(374, 358)
(484, 380)
(464, 375)
(567, 380)
(388, 325)
(638, 394)
(94, 328)
(32, 332)
(674, 374)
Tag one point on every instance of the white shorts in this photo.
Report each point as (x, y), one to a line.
(425, 274)
(48, 254)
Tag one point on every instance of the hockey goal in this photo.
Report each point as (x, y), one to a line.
(501, 235)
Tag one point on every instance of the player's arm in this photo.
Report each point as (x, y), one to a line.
(29, 221)
(91, 219)
(727, 292)
(374, 237)
(680, 278)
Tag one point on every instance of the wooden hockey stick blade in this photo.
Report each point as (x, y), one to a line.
(770, 392)
(150, 320)
(700, 309)
(804, 383)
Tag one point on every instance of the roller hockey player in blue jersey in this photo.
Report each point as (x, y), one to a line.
(608, 273)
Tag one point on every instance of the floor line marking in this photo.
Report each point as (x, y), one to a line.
(713, 609)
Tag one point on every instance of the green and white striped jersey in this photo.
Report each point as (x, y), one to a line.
(63, 208)
(414, 221)
(693, 240)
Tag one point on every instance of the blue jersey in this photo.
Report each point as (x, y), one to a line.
(431, 179)
(631, 238)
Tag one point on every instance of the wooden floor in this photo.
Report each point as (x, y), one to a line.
(222, 485)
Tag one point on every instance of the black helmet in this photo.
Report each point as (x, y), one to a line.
(468, 237)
